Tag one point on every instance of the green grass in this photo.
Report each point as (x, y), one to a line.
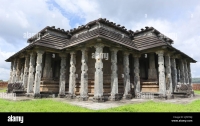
(197, 91)
(3, 89)
(50, 105)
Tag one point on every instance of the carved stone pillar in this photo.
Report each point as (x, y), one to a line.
(189, 73)
(98, 83)
(127, 86)
(18, 71)
(182, 72)
(14, 71)
(47, 73)
(72, 76)
(152, 72)
(168, 78)
(114, 75)
(26, 71)
(84, 75)
(174, 74)
(38, 73)
(31, 73)
(11, 70)
(186, 71)
(62, 75)
(161, 70)
(136, 74)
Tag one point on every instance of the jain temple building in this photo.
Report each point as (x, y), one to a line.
(100, 61)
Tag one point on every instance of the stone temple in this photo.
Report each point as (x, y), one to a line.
(100, 61)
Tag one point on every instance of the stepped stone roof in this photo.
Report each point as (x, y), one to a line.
(60, 39)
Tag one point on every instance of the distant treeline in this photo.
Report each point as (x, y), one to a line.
(195, 80)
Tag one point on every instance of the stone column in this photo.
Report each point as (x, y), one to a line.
(72, 76)
(11, 70)
(14, 71)
(127, 86)
(114, 75)
(189, 73)
(174, 74)
(31, 73)
(84, 75)
(186, 71)
(26, 71)
(161, 70)
(22, 74)
(98, 83)
(18, 71)
(152, 72)
(47, 72)
(168, 78)
(38, 73)
(136, 74)
(182, 72)
(62, 74)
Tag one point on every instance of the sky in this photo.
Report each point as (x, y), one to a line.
(177, 19)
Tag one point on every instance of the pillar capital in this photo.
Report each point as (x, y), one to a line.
(63, 55)
(160, 52)
(135, 55)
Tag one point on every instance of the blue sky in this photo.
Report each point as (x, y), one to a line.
(178, 19)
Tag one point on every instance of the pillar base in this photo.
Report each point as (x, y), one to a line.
(127, 96)
(71, 96)
(37, 95)
(98, 99)
(83, 98)
(29, 94)
(115, 97)
(61, 95)
(169, 96)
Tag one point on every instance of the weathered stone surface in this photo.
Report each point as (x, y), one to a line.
(98, 82)
(114, 75)
(11, 70)
(186, 71)
(62, 75)
(18, 71)
(13, 80)
(38, 73)
(182, 72)
(47, 73)
(84, 75)
(26, 71)
(174, 74)
(189, 73)
(168, 78)
(72, 76)
(137, 88)
(161, 70)
(127, 86)
(152, 72)
(31, 73)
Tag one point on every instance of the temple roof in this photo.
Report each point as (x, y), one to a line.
(60, 39)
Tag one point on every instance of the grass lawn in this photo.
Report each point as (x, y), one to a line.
(50, 105)
(197, 91)
(3, 89)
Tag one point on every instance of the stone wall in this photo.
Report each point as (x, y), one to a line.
(3, 84)
(196, 86)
